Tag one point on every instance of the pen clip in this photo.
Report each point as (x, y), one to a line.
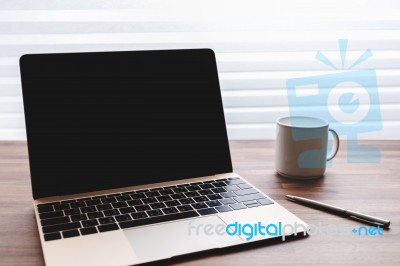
(366, 221)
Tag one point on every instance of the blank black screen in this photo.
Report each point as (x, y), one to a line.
(114, 119)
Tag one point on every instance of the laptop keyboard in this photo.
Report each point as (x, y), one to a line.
(92, 215)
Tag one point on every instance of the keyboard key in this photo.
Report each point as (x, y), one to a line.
(223, 208)
(213, 203)
(88, 209)
(123, 198)
(52, 236)
(78, 204)
(72, 211)
(169, 187)
(172, 203)
(106, 220)
(47, 215)
(128, 193)
(113, 195)
(249, 202)
(227, 201)
(191, 194)
(154, 212)
(123, 217)
(186, 201)
(184, 208)
(149, 200)
(138, 196)
(196, 183)
(157, 205)
(200, 205)
(70, 233)
(244, 186)
(139, 215)
(93, 215)
(93, 202)
(180, 190)
(47, 204)
(89, 223)
(234, 182)
(193, 188)
(109, 200)
(151, 194)
(218, 190)
(141, 208)
(60, 227)
(166, 192)
(256, 204)
(205, 192)
(61, 207)
(78, 217)
(159, 219)
(232, 188)
(111, 212)
(170, 210)
(107, 227)
(228, 194)
(250, 197)
(178, 196)
(48, 208)
(119, 204)
(265, 201)
(246, 191)
(88, 231)
(134, 202)
(233, 178)
(104, 207)
(53, 221)
(156, 189)
(237, 206)
(207, 211)
(219, 184)
(142, 191)
(164, 198)
(200, 199)
(206, 186)
(214, 196)
(127, 210)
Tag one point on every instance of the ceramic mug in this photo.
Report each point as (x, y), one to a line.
(301, 146)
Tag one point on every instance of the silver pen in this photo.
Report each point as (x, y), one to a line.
(340, 211)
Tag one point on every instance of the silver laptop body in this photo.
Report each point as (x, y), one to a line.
(130, 159)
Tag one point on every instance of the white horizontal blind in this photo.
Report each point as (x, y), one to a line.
(259, 45)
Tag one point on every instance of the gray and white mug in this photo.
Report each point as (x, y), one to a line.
(301, 146)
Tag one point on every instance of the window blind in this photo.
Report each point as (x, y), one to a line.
(259, 45)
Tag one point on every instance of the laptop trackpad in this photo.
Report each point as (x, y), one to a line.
(176, 238)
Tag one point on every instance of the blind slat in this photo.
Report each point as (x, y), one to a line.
(272, 37)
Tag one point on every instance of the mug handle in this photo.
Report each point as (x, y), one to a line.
(335, 147)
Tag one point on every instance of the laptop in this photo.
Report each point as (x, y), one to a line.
(130, 160)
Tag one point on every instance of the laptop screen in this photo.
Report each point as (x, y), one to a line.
(107, 120)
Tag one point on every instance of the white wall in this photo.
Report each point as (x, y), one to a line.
(259, 45)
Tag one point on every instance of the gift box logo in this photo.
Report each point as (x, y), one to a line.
(348, 99)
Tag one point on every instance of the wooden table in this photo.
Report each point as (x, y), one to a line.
(370, 188)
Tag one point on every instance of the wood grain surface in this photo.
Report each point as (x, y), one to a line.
(370, 188)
